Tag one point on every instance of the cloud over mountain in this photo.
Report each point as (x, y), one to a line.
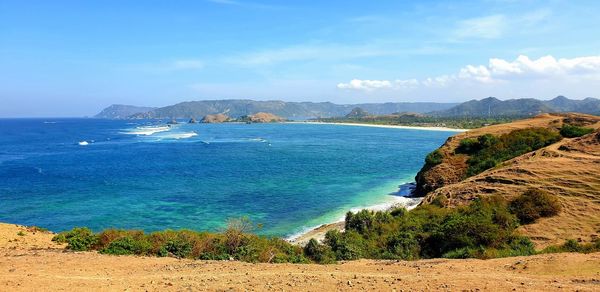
(523, 68)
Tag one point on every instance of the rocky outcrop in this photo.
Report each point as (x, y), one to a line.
(262, 118)
(357, 113)
(217, 118)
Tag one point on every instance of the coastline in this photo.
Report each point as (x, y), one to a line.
(442, 129)
(398, 199)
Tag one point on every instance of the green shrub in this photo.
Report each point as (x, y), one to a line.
(127, 245)
(178, 247)
(347, 246)
(318, 252)
(233, 243)
(468, 146)
(78, 239)
(365, 220)
(534, 204)
(572, 245)
(465, 253)
(434, 158)
(403, 245)
(571, 131)
(489, 150)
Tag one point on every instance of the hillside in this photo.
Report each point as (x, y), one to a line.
(261, 118)
(121, 111)
(487, 107)
(523, 107)
(29, 260)
(569, 169)
(292, 110)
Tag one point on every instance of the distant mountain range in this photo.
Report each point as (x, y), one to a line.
(121, 111)
(235, 108)
(291, 110)
(494, 107)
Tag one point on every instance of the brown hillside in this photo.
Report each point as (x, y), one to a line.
(264, 118)
(216, 118)
(569, 169)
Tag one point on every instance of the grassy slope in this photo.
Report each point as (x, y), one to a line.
(572, 172)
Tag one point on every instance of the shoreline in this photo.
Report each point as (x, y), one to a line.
(441, 129)
(398, 199)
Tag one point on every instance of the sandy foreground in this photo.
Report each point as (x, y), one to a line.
(384, 126)
(32, 262)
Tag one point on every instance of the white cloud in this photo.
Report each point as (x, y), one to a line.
(369, 85)
(365, 84)
(546, 68)
(499, 25)
(487, 27)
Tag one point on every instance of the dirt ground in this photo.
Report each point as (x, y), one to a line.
(30, 261)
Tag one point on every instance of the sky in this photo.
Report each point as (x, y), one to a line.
(73, 58)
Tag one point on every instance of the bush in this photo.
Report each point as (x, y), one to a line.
(127, 245)
(233, 243)
(78, 239)
(365, 220)
(403, 245)
(318, 252)
(489, 150)
(346, 246)
(570, 131)
(434, 158)
(235, 233)
(534, 204)
(468, 146)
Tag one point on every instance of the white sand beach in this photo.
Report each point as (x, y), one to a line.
(445, 129)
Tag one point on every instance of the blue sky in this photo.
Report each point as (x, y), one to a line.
(72, 58)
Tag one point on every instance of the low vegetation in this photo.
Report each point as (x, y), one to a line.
(236, 242)
(572, 131)
(433, 158)
(534, 204)
(424, 121)
(484, 229)
(487, 151)
(572, 245)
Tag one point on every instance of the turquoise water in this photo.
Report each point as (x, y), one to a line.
(285, 176)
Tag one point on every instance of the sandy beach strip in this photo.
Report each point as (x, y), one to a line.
(443, 129)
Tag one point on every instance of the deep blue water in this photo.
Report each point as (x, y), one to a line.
(285, 176)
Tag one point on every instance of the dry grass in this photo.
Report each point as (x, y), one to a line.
(569, 169)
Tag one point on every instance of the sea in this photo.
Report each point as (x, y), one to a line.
(62, 173)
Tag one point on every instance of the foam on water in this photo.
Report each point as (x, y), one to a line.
(146, 130)
(177, 136)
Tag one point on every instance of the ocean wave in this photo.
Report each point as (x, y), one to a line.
(233, 140)
(177, 136)
(147, 130)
